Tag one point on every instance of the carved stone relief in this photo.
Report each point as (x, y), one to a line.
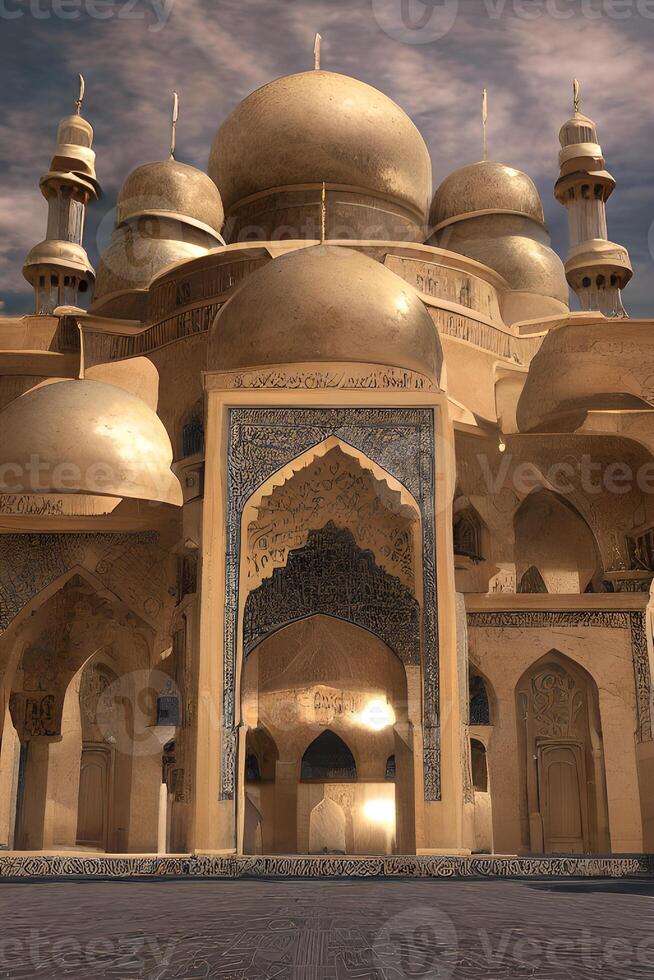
(553, 619)
(133, 565)
(401, 441)
(557, 702)
(334, 487)
(331, 575)
(353, 376)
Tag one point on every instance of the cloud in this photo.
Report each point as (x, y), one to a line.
(214, 52)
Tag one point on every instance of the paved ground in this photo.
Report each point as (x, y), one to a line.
(369, 930)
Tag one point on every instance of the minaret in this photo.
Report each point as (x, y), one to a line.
(58, 268)
(596, 268)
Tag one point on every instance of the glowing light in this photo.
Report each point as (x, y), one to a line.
(402, 303)
(380, 811)
(377, 714)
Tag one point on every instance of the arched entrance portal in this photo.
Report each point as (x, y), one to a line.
(325, 702)
(564, 786)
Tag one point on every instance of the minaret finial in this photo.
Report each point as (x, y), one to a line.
(484, 117)
(173, 127)
(316, 51)
(323, 212)
(80, 97)
(575, 93)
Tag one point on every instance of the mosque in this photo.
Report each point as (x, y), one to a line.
(327, 517)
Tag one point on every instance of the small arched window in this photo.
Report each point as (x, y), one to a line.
(328, 757)
(466, 531)
(532, 581)
(480, 713)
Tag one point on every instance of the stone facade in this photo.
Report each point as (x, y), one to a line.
(326, 556)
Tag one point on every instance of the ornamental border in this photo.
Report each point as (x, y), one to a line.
(606, 618)
(18, 867)
(263, 440)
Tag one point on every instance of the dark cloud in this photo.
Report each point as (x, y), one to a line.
(134, 54)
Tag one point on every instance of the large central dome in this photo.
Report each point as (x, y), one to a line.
(292, 134)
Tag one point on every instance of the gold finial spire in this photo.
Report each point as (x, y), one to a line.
(323, 212)
(316, 51)
(484, 117)
(173, 127)
(575, 93)
(80, 96)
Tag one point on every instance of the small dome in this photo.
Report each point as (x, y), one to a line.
(85, 437)
(325, 303)
(577, 129)
(300, 130)
(525, 264)
(57, 253)
(73, 154)
(485, 187)
(173, 189)
(132, 258)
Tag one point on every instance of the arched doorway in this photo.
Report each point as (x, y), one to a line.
(78, 745)
(332, 699)
(564, 784)
(98, 757)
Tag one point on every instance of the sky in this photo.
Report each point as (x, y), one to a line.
(433, 57)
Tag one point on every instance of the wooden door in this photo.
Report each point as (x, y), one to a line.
(563, 797)
(94, 796)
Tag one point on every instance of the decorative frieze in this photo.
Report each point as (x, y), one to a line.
(358, 377)
(325, 866)
(331, 575)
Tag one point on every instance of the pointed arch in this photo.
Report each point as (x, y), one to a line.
(556, 548)
(564, 802)
(328, 757)
(331, 481)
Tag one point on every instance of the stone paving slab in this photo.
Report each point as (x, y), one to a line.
(327, 930)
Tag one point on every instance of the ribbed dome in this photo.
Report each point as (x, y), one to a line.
(325, 303)
(86, 437)
(168, 187)
(578, 129)
(321, 126)
(485, 186)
